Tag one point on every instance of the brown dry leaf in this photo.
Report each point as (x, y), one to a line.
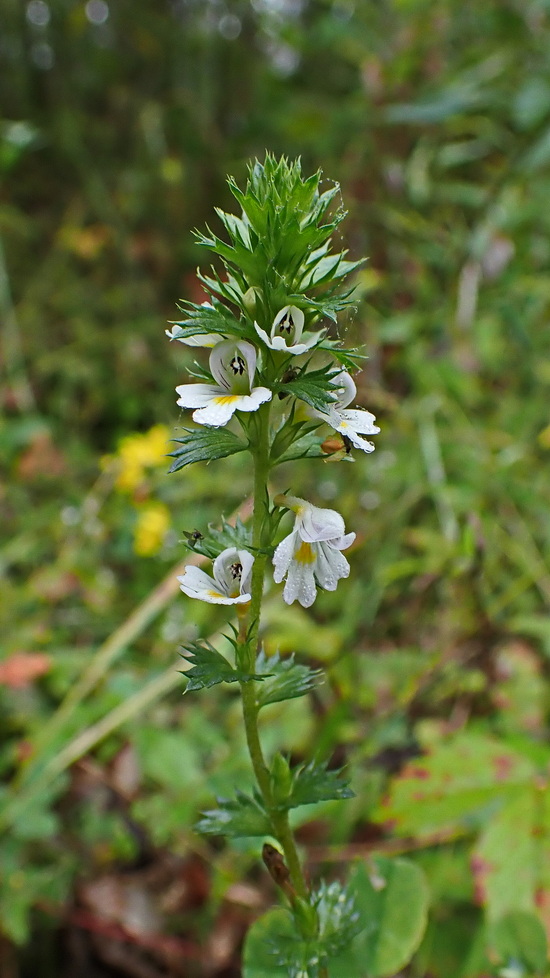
(125, 775)
(122, 901)
(22, 668)
(41, 457)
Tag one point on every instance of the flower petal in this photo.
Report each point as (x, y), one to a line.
(206, 340)
(283, 556)
(347, 389)
(291, 319)
(314, 523)
(342, 543)
(262, 334)
(300, 583)
(231, 571)
(361, 421)
(356, 440)
(331, 566)
(219, 409)
(221, 360)
(247, 561)
(252, 401)
(196, 584)
(196, 395)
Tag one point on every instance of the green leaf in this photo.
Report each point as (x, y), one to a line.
(510, 861)
(265, 942)
(350, 359)
(237, 535)
(308, 446)
(275, 946)
(520, 938)
(285, 679)
(241, 817)
(392, 900)
(289, 433)
(209, 668)
(456, 781)
(315, 387)
(212, 318)
(312, 783)
(205, 445)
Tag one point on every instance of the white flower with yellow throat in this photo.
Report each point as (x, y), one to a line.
(230, 583)
(311, 554)
(233, 366)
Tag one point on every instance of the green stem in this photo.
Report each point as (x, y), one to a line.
(279, 819)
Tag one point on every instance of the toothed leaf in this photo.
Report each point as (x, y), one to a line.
(314, 782)
(285, 679)
(239, 817)
(209, 667)
(204, 445)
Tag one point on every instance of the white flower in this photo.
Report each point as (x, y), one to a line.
(231, 579)
(233, 365)
(287, 330)
(206, 340)
(352, 423)
(311, 553)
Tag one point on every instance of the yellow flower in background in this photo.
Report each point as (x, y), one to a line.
(137, 453)
(152, 524)
(544, 437)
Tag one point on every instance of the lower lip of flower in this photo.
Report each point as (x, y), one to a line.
(216, 594)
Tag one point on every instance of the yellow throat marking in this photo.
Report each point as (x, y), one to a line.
(227, 398)
(304, 554)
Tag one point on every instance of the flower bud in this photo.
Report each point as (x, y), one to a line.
(281, 779)
(249, 300)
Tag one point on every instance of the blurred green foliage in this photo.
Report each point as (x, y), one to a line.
(119, 124)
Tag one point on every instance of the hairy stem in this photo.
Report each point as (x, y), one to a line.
(279, 819)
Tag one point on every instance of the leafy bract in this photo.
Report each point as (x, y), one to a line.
(215, 540)
(315, 387)
(313, 782)
(204, 445)
(308, 446)
(209, 667)
(283, 215)
(213, 317)
(288, 434)
(285, 679)
(275, 946)
(239, 817)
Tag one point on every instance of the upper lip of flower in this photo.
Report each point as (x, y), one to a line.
(287, 332)
(232, 365)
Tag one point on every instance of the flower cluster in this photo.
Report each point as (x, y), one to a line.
(309, 555)
(263, 325)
